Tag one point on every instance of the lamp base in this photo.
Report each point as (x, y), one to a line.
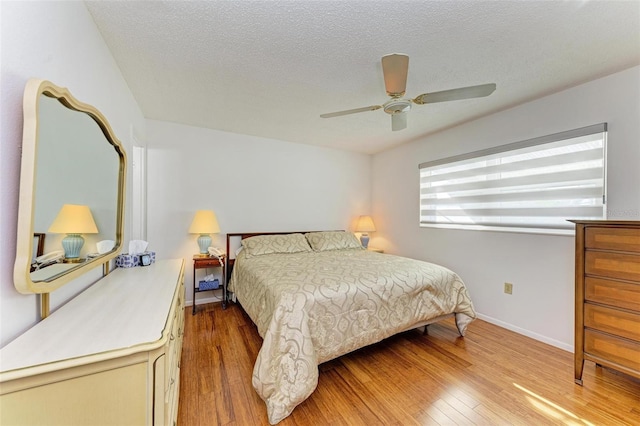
(204, 241)
(364, 239)
(72, 244)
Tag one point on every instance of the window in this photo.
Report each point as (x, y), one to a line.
(529, 186)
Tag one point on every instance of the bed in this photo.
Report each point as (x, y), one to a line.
(316, 296)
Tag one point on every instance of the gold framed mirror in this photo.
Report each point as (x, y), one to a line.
(72, 189)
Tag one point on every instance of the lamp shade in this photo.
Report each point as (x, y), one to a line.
(365, 224)
(204, 222)
(74, 219)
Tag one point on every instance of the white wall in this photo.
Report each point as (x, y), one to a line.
(59, 42)
(257, 184)
(541, 267)
(253, 184)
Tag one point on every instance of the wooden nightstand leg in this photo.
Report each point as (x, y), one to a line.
(193, 311)
(224, 287)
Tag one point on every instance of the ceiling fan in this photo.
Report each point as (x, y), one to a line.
(395, 68)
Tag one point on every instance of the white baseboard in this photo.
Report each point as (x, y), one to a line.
(528, 333)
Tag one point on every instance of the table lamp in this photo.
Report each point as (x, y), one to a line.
(365, 225)
(204, 223)
(73, 220)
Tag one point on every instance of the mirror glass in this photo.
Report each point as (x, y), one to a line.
(76, 161)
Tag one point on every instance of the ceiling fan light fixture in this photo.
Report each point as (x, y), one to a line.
(397, 106)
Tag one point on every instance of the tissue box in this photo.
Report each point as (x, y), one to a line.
(130, 260)
(208, 285)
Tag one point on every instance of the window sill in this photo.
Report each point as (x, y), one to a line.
(538, 231)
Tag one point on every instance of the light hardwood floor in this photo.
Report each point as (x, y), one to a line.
(490, 377)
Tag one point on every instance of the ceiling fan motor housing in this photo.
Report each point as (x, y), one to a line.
(397, 106)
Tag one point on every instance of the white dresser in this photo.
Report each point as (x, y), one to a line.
(110, 356)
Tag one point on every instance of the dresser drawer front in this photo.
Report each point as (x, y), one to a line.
(613, 265)
(621, 351)
(623, 239)
(620, 323)
(614, 293)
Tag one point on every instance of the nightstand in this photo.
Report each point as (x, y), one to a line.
(204, 262)
(377, 250)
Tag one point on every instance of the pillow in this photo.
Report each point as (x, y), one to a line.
(333, 240)
(269, 244)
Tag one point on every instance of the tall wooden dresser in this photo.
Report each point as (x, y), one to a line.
(110, 356)
(607, 296)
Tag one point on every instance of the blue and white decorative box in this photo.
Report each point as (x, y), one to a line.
(126, 260)
(208, 285)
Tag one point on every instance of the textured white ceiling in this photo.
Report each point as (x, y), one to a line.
(270, 68)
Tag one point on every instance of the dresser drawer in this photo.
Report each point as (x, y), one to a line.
(620, 323)
(621, 351)
(613, 265)
(621, 239)
(614, 293)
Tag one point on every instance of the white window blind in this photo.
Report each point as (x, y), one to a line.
(530, 186)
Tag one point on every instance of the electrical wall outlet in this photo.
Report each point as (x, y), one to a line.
(508, 288)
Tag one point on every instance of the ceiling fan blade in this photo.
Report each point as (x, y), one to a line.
(351, 111)
(456, 94)
(395, 68)
(398, 121)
